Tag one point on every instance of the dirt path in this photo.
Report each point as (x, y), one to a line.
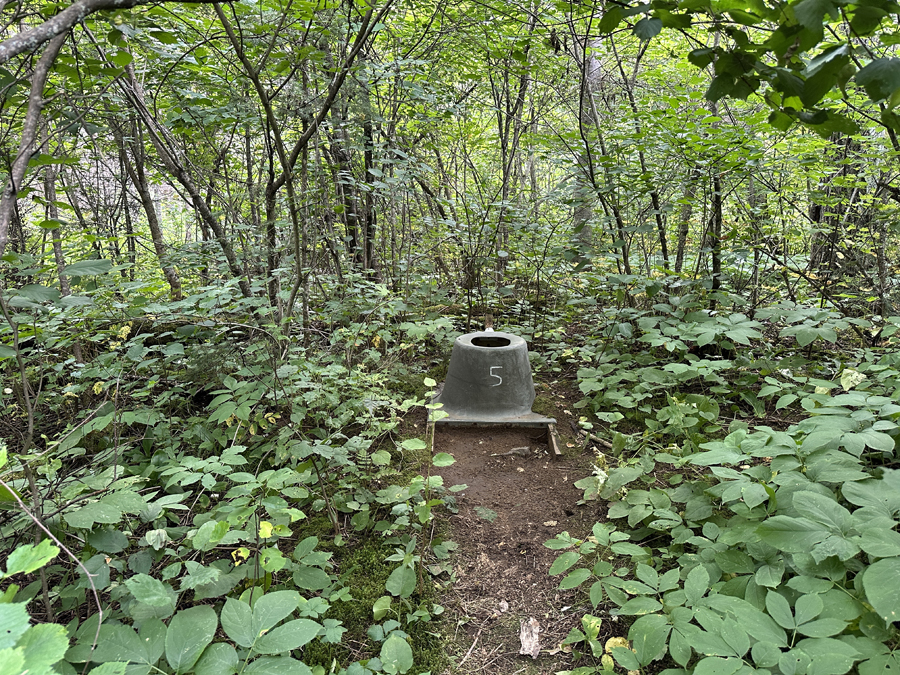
(514, 502)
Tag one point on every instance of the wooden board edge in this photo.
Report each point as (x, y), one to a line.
(555, 440)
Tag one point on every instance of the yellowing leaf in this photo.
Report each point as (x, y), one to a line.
(243, 553)
(615, 642)
(850, 378)
(265, 529)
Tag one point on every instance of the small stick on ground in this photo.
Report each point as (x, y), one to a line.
(469, 653)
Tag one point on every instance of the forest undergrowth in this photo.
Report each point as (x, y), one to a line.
(200, 492)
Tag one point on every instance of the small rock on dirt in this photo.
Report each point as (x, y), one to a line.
(529, 637)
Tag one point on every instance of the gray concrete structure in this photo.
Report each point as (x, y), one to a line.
(489, 382)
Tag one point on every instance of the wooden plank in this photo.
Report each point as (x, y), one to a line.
(554, 440)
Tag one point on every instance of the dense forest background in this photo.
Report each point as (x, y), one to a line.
(238, 240)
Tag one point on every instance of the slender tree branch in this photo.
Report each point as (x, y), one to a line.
(31, 39)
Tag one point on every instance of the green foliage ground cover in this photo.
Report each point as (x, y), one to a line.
(752, 521)
(226, 500)
(226, 475)
(235, 500)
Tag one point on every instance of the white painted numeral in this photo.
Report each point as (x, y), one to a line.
(499, 379)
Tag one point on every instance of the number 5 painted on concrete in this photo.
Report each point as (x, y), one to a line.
(499, 379)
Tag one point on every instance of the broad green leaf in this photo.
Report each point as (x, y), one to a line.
(626, 658)
(648, 637)
(396, 654)
(808, 607)
(285, 638)
(198, 575)
(627, 548)
(793, 535)
(153, 635)
(874, 493)
(190, 631)
(811, 13)
(758, 624)
(619, 478)
(38, 293)
(735, 562)
(716, 665)
(647, 28)
(414, 444)
(785, 400)
(881, 78)
(201, 539)
(765, 654)
(217, 659)
(574, 579)
(735, 636)
(121, 58)
(821, 628)
(14, 621)
(381, 607)
(443, 459)
(29, 557)
(647, 574)
(85, 516)
(112, 668)
(311, 578)
(639, 605)
(701, 57)
(829, 656)
(780, 610)
(43, 645)
(804, 584)
(381, 458)
(277, 665)
(75, 301)
(596, 593)
(877, 440)
(21, 302)
(401, 582)
(881, 582)
(679, 648)
(118, 642)
(880, 542)
(564, 562)
(108, 540)
(770, 576)
(272, 608)
(696, 584)
(834, 545)
(12, 661)
(87, 268)
(610, 21)
(148, 590)
(883, 664)
(237, 618)
(633, 587)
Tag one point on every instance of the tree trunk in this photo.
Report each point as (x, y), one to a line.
(134, 167)
(684, 217)
(715, 239)
(169, 157)
(29, 135)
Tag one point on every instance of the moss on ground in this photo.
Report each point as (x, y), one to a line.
(363, 570)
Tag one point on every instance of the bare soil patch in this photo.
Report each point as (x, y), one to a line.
(515, 501)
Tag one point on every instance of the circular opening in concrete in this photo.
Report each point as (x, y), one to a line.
(490, 342)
